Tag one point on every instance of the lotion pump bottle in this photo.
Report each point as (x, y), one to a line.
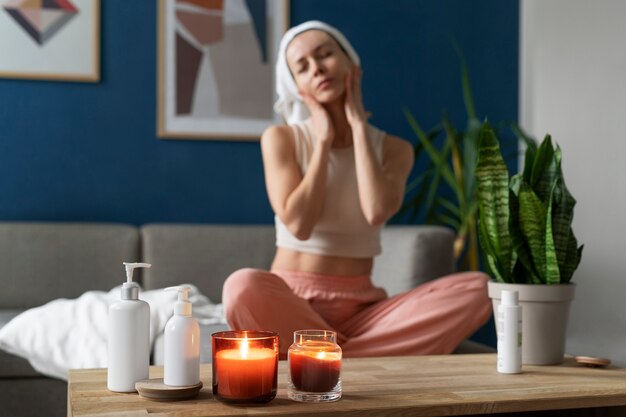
(509, 333)
(182, 343)
(129, 336)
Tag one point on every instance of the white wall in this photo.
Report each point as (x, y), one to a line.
(573, 86)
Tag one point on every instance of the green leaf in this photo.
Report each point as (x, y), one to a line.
(471, 142)
(492, 180)
(456, 160)
(562, 217)
(529, 141)
(516, 183)
(419, 182)
(449, 221)
(437, 157)
(448, 205)
(532, 222)
(572, 259)
(552, 264)
(524, 271)
(544, 170)
(530, 152)
(490, 253)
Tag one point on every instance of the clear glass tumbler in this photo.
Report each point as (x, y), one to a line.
(314, 366)
(245, 366)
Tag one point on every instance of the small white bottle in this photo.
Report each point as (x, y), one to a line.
(129, 336)
(181, 364)
(509, 333)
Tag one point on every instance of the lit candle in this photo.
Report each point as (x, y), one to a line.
(315, 371)
(314, 366)
(245, 366)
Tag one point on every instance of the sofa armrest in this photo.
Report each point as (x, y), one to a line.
(413, 254)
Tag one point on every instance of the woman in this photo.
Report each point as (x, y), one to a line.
(333, 180)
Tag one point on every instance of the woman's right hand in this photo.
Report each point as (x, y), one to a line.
(322, 124)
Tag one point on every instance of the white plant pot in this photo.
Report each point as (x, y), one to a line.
(545, 309)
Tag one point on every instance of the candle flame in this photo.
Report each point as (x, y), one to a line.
(244, 347)
(321, 355)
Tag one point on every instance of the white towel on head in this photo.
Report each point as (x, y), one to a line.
(289, 103)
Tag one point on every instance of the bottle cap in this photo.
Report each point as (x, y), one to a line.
(183, 305)
(130, 289)
(509, 297)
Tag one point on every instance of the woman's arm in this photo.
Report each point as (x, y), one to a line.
(381, 186)
(297, 200)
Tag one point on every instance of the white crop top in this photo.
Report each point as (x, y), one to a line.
(342, 229)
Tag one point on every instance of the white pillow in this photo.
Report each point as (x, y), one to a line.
(64, 334)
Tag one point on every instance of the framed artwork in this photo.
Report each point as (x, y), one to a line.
(50, 39)
(216, 67)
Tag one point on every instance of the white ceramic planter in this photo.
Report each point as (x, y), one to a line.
(545, 309)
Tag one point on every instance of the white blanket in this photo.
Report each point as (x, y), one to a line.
(64, 334)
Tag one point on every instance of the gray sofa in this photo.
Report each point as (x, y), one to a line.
(40, 262)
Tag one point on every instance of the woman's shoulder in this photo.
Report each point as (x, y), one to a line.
(398, 142)
(277, 135)
(398, 148)
(277, 131)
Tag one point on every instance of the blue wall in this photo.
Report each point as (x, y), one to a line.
(89, 152)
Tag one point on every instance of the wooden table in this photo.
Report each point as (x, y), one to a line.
(399, 386)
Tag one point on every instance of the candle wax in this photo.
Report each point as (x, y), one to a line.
(314, 371)
(243, 375)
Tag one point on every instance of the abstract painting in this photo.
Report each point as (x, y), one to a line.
(50, 39)
(216, 67)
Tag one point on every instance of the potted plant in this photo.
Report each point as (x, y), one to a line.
(525, 229)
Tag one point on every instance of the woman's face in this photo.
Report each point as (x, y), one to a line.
(318, 65)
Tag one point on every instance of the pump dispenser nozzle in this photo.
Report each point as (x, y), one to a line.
(183, 305)
(130, 289)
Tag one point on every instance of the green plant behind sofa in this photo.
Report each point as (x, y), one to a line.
(445, 191)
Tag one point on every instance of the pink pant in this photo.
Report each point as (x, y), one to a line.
(430, 319)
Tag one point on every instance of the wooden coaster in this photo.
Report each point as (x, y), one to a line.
(592, 361)
(155, 389)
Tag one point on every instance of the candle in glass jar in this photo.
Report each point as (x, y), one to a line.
(245, 370)
(314, 371)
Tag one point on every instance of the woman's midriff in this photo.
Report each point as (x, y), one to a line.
(289, 260)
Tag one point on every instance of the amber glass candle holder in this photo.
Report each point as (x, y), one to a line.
(245, 366)
(314, 366)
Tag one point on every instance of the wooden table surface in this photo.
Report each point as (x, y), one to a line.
(398, 386)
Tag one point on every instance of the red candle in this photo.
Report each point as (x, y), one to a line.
(314, 371)
(245, 369)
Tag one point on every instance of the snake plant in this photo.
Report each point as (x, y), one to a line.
(525, 222)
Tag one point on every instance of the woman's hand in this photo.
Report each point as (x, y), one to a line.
(355, 113)
(322, 124)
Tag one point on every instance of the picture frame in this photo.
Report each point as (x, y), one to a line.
(56, 40)
(216, 62)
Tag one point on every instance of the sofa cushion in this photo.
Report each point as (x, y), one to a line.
(204, 255)
(40, 262)
(412, 255)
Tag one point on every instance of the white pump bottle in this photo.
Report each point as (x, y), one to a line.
(129, 336)
(182, 343)
(509, 333)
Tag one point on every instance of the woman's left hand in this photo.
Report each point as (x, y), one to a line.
(355, 112)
